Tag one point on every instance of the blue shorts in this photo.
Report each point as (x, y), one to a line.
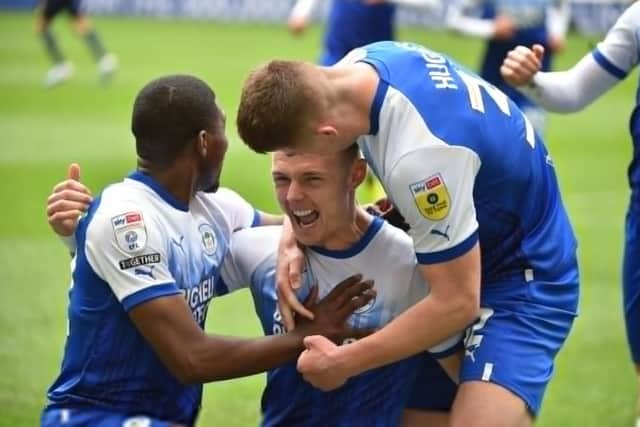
(631, 280)
(514, 342)
(433, 390)
(54, 417)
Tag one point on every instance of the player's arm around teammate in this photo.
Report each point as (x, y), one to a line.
(167, 323)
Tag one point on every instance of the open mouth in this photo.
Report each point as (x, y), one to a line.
(305, 218)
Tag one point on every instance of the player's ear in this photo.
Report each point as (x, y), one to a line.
(202, 145)
(327, 130)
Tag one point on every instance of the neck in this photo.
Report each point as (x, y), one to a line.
(351, 232)
(354, 87)
(172, 178)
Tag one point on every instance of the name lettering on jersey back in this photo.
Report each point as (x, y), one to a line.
(198, 297)
(436, 64)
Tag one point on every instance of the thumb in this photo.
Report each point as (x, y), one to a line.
(74, 172)
(538, 50)
(312, 341)
(317, 342)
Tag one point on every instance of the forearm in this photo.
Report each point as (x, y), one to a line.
(218, 358)
(303, 9)
(458, 21)
(422, 326)
(571, 90)
(557, 20)
(427, 4)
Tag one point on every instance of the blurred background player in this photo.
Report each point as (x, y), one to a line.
(506, 24)
(571, 90)
(351, 24)
(62, 69)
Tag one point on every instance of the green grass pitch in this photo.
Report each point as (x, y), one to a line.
(42, 131)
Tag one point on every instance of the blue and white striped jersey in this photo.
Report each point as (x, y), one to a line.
(463, 164)
(384, 254)
(138, 243)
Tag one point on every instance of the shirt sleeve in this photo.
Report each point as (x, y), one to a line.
(127, 250)
(249, 250)
(557, 17)
(460, 18)
(303, 9)
(573, 89)
(433, 189)
(618, 52)
(238, 211)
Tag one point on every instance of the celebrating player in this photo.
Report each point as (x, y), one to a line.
(567, 91)
(147, 264)
(465, 168)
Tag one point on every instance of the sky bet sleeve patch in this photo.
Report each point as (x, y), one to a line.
(431, 197)
(130, 232)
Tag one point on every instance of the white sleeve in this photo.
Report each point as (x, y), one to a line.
(237, 210)
(427, 4)
(249, 249)
(128, 251)
(618, 52)
(459, 19)
(557, 17)
(436, 198)
(303, 9)
(595, 73)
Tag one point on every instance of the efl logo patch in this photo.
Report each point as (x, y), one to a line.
(130, 232)
(431, 197)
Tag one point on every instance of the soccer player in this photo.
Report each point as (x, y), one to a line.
(351, 24)
(147, 264)
(567, 91)
(317, 193)
(506, 24)
(62, 69)
(470, 176)
(342, 239)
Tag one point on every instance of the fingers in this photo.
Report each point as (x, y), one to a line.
(64, 223)
(285, 312)
(521, 64)
(352, 291)
(356, 302)
(312, 298)
(64, 205)
(74, 172)
(341, 287)
(538, 50)
(298, 307)
(317, 342)
(71, 186)
(296, 266)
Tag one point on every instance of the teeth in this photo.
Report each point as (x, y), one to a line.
(303, 213)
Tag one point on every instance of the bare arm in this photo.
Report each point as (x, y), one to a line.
(450, 307)
(195, 357)
(291, 260)
(454, 302)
